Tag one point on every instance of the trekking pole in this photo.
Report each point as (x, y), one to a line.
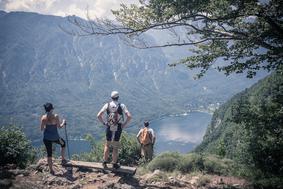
(67, 141)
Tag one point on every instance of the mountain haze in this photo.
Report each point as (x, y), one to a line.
(40, 63)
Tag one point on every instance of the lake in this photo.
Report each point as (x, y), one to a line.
(76, 146)
(180, 133)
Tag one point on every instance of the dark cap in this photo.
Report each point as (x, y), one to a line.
(48, 107)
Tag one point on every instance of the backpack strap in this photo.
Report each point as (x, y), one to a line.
(107, 110)
(120, 111)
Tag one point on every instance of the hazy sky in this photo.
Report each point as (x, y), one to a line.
(98, 8)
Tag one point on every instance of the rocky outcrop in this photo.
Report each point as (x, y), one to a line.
(38, 176)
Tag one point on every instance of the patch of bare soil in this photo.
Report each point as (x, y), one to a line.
(38, 177)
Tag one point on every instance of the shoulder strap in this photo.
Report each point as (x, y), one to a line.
(107, 110)
(119, 109)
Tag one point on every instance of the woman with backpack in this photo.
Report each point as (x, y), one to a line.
(146, 138)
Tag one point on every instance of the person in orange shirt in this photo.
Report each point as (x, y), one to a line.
(146, 138)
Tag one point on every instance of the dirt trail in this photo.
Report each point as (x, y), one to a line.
(37, 176)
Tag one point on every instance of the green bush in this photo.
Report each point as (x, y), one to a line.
(274, 182)
(215, 165)
(129, 151)
(192, 162)
(166, 162)
(15, 148)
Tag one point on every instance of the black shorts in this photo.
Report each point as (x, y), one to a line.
(48, 145)
(116, 135)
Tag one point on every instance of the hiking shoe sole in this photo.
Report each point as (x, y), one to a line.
(116, 166)
(104, 164)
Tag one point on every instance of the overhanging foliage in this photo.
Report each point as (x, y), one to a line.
(248, 35)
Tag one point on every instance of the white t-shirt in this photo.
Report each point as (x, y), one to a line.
(149, 129)
(113, 106)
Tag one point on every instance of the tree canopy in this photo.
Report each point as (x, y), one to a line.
(247, 35)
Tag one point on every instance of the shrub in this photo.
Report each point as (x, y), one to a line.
(274, 182)
(15, 148)
(206, 163)
(191, 162)
(166, 162)
(129, 151)
(215, 165)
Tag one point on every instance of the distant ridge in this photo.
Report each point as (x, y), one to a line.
(39, 62)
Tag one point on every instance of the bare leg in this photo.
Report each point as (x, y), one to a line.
(106, 151)
(115, 151)
(142, 152)
(115, 155)
(49, 161)
(150, 152)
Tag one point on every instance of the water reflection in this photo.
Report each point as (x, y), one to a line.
(180, 133)
(175, 133)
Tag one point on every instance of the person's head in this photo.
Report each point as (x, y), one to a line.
(48, 107)
(115, 95)
(146, 123)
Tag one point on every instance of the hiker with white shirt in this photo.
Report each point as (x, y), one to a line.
(114, 123)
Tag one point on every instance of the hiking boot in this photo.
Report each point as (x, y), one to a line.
(116, 166)
(64, 161)
(52, 172)
(104, 164)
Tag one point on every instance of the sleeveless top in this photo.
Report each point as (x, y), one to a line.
(51, 132)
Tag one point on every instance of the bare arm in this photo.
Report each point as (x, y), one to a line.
(138, 136)
(100, 117)
(153, 137)
(60, 125)
(128, 119)
(153, 140)
(42, 123)
(64, 123)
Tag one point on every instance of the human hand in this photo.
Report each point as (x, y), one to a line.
(64, 122)
(123, 125)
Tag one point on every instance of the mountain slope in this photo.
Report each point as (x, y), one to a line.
(39, 63)
(249, 128)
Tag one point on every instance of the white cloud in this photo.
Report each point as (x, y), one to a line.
(95, 8)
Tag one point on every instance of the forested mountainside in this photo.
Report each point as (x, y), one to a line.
(249, 128)
(39, 62)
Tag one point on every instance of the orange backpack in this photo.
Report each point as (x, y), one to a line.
(146, 136)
